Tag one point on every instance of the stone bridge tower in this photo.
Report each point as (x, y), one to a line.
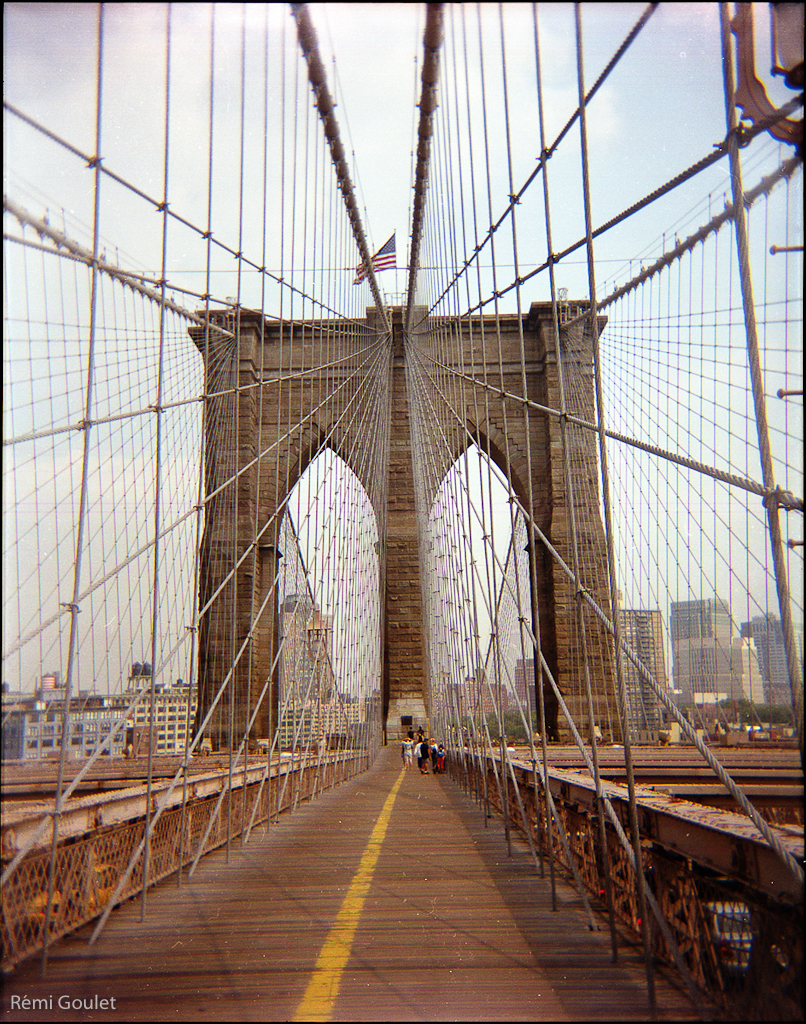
(484, 353)
(405, 683)
(293, 415)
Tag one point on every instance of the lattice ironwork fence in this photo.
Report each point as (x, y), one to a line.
(87, 869)
(742, 949)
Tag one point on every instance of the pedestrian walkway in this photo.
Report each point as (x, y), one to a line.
(386, 899)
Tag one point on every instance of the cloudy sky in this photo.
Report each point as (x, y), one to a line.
(660, 111)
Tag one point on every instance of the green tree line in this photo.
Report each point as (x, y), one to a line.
(751, 714)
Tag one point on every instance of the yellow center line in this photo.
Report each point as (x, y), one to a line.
(323, 988)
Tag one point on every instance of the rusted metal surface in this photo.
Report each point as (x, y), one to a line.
(83, 815)
(453, 927)
(732, 907)
(38, 778)
(722, 840)
(747, 762)
(771, 777)
(779, 805)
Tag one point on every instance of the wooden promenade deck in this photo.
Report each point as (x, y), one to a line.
(451, 928)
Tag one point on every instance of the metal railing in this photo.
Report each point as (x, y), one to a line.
(736, 927)
(88, 868)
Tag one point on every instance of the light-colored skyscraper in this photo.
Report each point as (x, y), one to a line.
(305, 671)
(753, 681)
(705, 667)
(642, 630)
(768, 637)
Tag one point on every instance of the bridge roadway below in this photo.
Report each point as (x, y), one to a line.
(326, 916)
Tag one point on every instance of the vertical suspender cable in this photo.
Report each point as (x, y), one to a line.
(256, 567)
(571, 507)
(236, 384)
(756, 377)
(500, 359)
(82, 505)
(158, 467)
(194, 653)
(521, 345)
(633, 812)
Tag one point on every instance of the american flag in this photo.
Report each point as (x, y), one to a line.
(384, 259)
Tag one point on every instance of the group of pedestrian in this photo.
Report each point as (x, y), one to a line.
(425, 751)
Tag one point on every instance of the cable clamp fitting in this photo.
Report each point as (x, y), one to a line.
(743, 136)
(779, 498)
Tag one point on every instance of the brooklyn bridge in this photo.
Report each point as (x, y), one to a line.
(513, 498)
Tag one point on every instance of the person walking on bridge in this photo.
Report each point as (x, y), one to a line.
(422, 756)
(407, 753)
